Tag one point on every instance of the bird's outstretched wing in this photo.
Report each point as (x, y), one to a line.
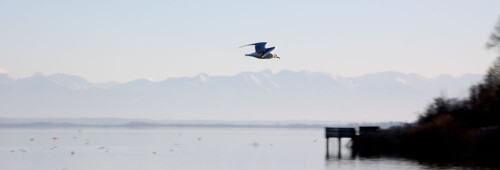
(268, 50)
(259, 47)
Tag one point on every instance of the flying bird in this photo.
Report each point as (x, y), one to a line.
(261, 52)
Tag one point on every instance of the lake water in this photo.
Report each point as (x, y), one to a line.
(183, 148)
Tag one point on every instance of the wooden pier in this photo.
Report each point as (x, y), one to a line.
(337, 132)
(369, 131)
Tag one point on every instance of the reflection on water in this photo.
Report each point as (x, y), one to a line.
(191, 148)
(345, 158)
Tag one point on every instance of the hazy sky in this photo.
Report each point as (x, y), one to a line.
(124, 40)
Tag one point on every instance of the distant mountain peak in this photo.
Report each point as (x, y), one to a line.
(400, 80)
(247, 95)
(202, 77)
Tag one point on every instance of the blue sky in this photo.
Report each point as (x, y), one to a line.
(125, 40)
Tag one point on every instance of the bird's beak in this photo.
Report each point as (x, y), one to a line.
(279, 58)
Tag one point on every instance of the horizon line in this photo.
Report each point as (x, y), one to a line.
(85, 77)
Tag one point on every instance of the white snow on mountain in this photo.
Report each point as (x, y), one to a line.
(265, 95)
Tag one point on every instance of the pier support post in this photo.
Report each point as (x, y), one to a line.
(339, 155)
(327, 149)
(340, 144)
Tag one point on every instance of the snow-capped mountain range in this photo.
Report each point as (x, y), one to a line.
(284, 95)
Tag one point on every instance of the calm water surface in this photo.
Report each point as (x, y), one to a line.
(183, 148)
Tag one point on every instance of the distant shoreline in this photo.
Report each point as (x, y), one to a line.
(146, 125)
(141, 123)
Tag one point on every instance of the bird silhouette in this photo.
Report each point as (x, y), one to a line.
(261, 52)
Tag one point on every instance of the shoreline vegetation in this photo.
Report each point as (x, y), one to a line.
(450, 128)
